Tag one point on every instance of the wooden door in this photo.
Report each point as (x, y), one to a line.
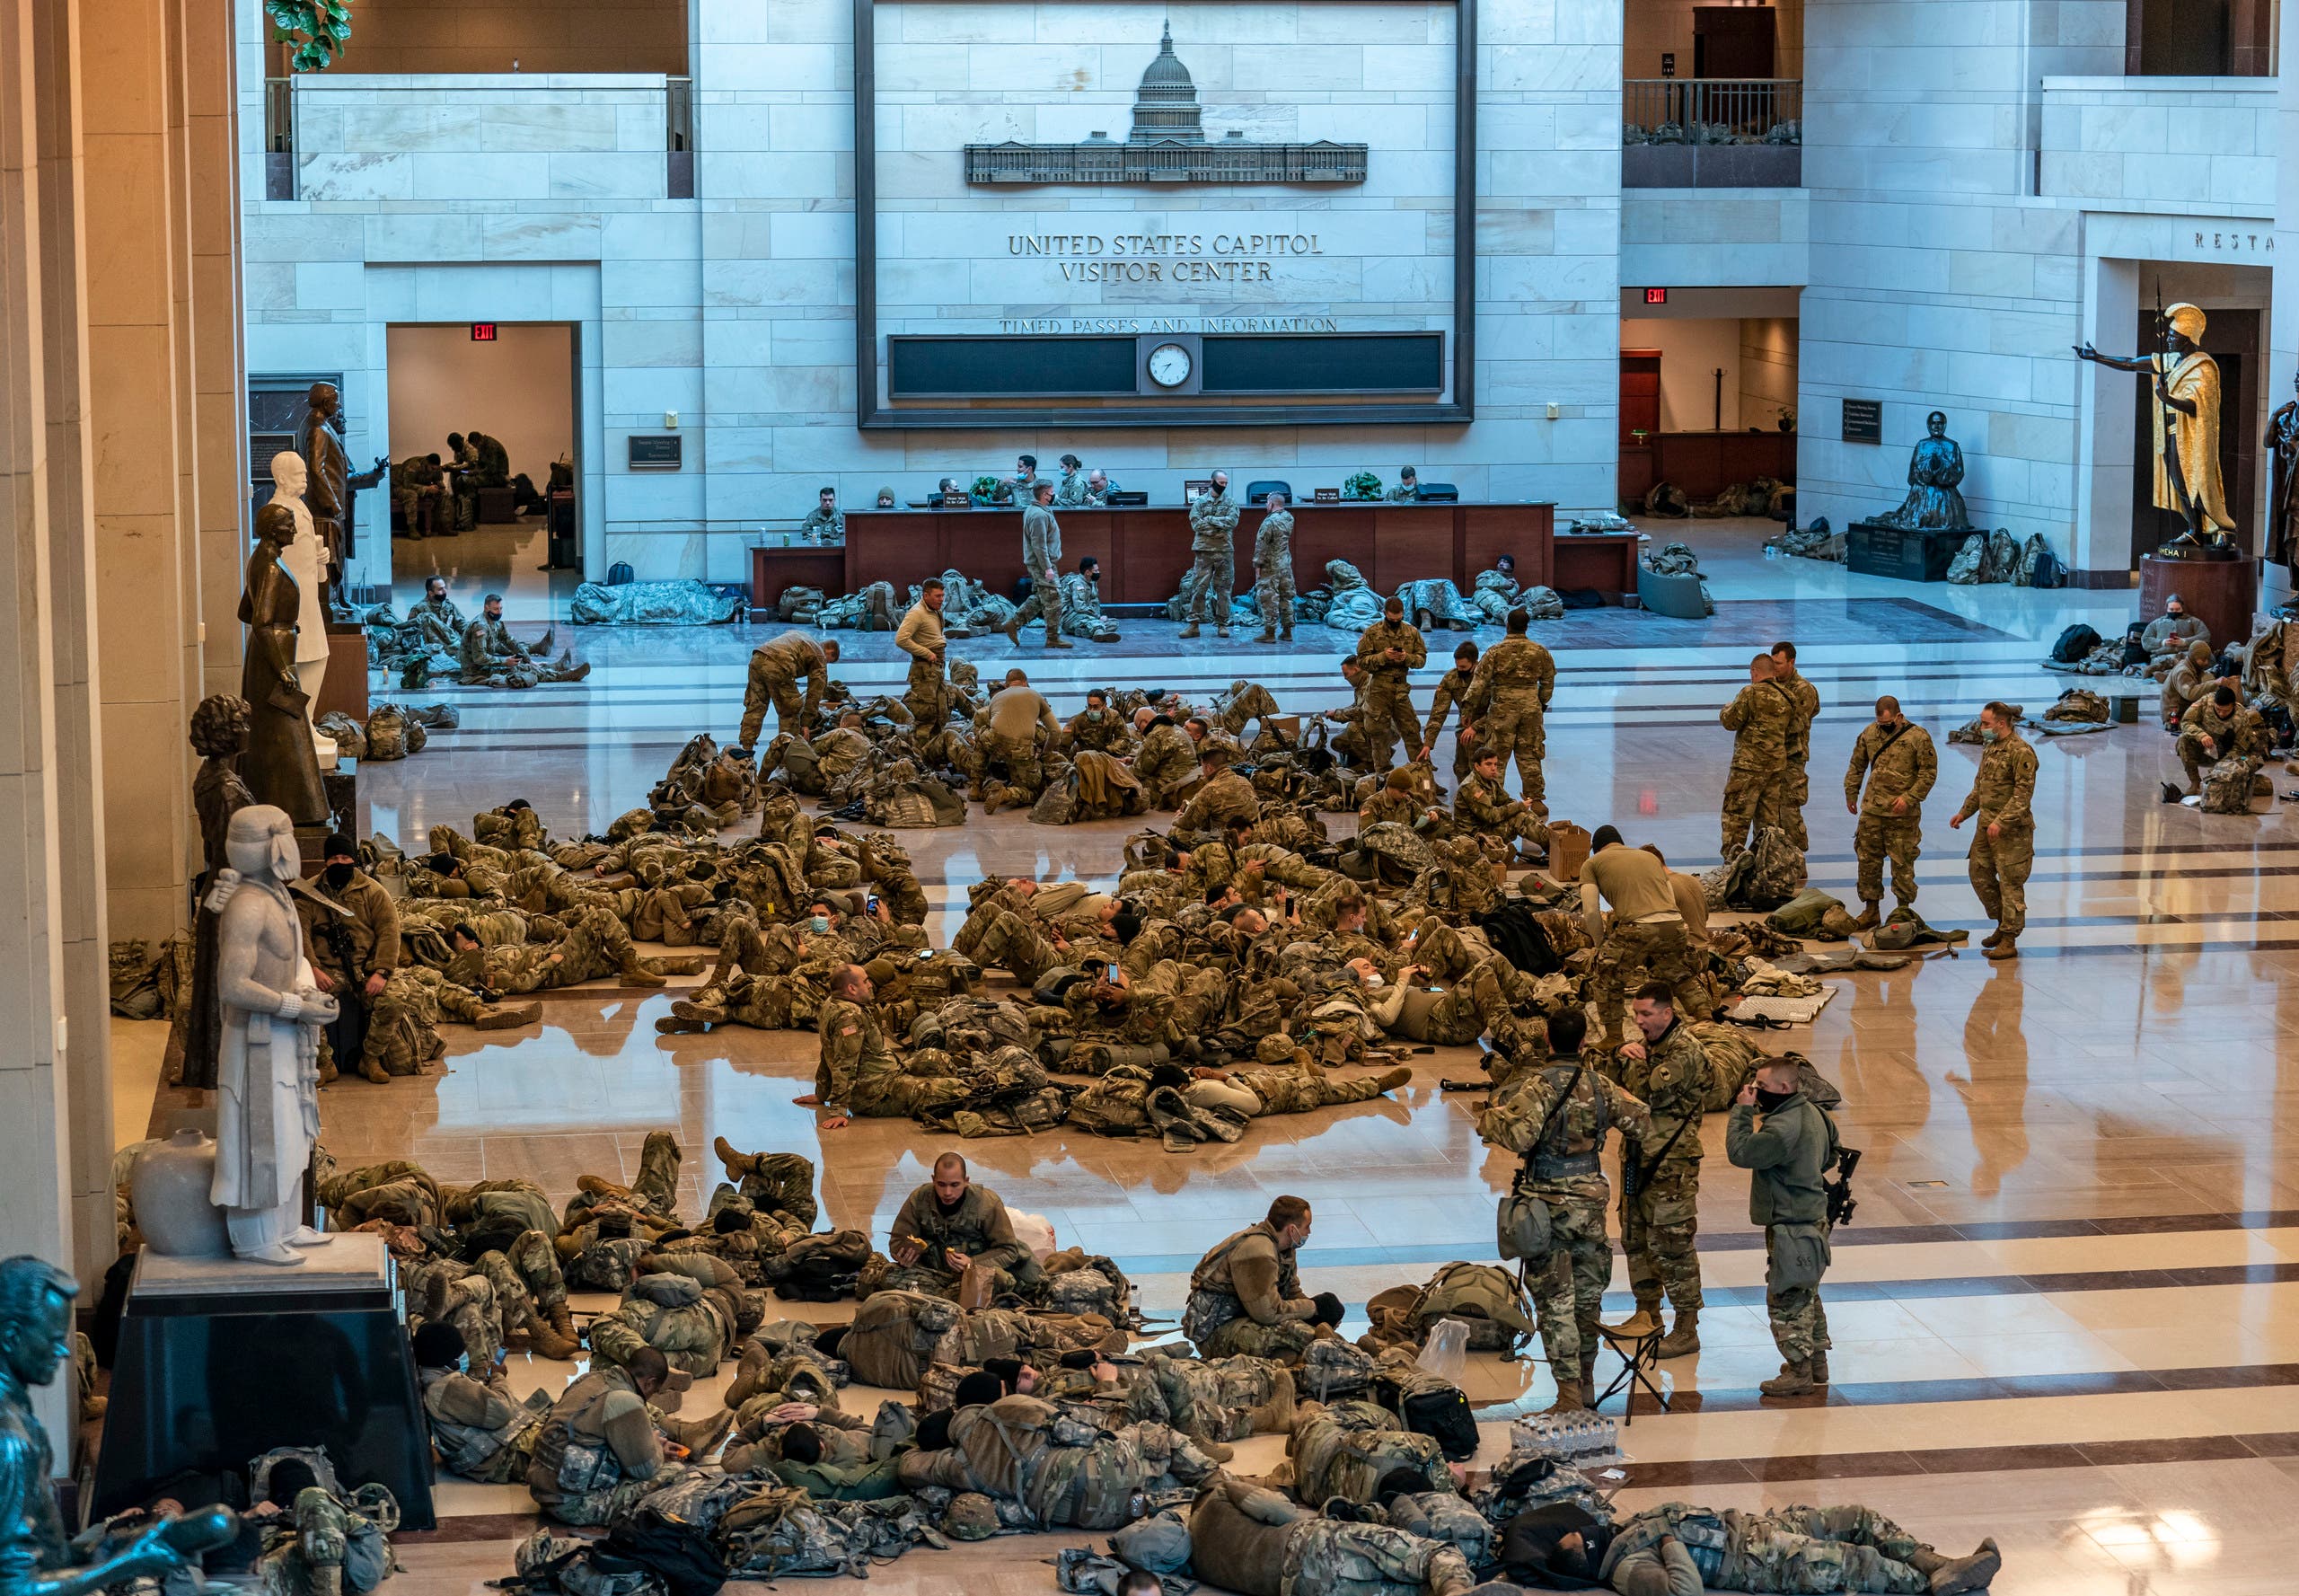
(1732, 41)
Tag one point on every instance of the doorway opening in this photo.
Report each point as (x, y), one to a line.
(499, 515)
(1707, 393)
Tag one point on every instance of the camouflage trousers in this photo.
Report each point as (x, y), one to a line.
(656, 1189)
(1657, 1228)
(1568, 1286)
(1290, 1092)
(1212, 586)
(1633, 953)
(2193, 758)
(1025, 765)
(775, 1183)
(1273, 597)
(1800, 1324)
(1476, 1004)
(1751, 803)
(901, 1095)
(1795, 788)
(1879, 837)
(927, 695)
(398, 1191)
(1044, 600)
(770, 682)
(1515, 727)
(999, 939)
(1389, 719)
(1807, 1551)
(419, 507)
(1998, 868)
(591, 1508)
(471, 1305)
(1242, 1337)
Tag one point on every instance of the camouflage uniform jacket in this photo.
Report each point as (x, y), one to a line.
(1757, 719)
(1804, 704)
(486, 641)
(1453, 688)
(1671, 1079)
(979, 1226)
(2005, 784)
(2240, 732)
(1897, 764)
(1564, 1163)
(1041, 541)
(441, 610)
(854, 1051)
(1110, 734)
(1274, 541)
(1073, 489)
(827, 526)
(1376, 640)
(1212, 522)
(371, 922)
(1512, 662)
(1478, 803)
(1211, 808)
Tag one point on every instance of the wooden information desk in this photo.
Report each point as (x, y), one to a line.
(1145, 553)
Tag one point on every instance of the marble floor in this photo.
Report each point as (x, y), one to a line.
(2067, 1314)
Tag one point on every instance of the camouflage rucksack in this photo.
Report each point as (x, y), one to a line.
(1347, 1448)
(1077, 1283)
(1485, 1297)
(1401, 851)
(1775, 871)
(350, 738)
(391, 735)
(1335, 1368)
(1965, 568)
(896, 1336)
(2228, 786)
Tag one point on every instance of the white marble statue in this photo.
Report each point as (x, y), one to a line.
(271, 1012)
(307, 561)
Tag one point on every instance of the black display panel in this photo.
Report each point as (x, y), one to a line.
(983, 368)
(1330, 363)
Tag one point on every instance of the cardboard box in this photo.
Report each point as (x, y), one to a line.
(1567, 851)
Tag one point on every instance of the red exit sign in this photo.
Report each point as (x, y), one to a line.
(1652, 296)
(483, 333)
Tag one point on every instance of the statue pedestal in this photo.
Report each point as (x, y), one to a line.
(1877, 551)
(220, 1361)
(2221, 594)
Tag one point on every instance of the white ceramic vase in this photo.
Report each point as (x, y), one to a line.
(170, 1191)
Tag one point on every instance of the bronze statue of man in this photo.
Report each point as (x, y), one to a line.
(326, 490)
(2188, 481)
(280, 766)
(2283, 484)
(35, 1336)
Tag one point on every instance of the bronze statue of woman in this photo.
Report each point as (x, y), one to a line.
(280, 766)
(219, 735)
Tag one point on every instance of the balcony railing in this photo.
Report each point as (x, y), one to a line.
(1708, 110)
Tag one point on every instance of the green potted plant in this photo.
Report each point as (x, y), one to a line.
(989, 489)
(318, 29)
(1362, 484)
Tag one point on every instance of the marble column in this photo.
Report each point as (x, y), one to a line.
(218, 339)
(2283, 313)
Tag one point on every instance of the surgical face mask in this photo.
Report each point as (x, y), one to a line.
(818, 923)
(462, 1364)
(339, 875)
(1769, 1100)
(1988, 734)
(1093, 714)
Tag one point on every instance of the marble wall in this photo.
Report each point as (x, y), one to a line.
(506, 198)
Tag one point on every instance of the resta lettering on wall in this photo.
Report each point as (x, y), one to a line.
(1187, 259)
(1071, 325)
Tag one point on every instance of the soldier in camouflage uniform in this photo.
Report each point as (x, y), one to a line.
(825, 523)
(1081, 603)
(1789, 1550)
(1554, 1115)
(1667, 1070)
(1273, 570)
(1249, 1538)
(420, 486)
(1897, 759)
(920, 636)
(1041, 562)
(1408, 488)
(1213, 530)
(2004, 844)
(1509, 695)
(2220, 727)
(949, 1226)
(858, 1075)
(1224, 796)
(1453, 688)
(1167, 755)
(1757, 718)
(593, 943)
(1795, 778)
(490, 656)
(1789, 1145)
(1389, 650)
(774, 672)
(1483, 807)
(1246, 1296)
(1646, 939)
(1099, 727)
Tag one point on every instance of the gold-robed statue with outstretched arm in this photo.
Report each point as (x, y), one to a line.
(2186, 409)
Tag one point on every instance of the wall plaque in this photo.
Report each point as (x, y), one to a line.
(1326, 495)
(1863, 420)
(655, 451)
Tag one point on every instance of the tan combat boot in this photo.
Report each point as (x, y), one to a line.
(1571, 1398)
(2007, 949)
(1276, 1415)
(1792, 1381)
(1267, 636)
(1400, 1076)
(1683, 1338)
(1871, 915)
(1013, 630)
(1188, 631)
(1974, 1572)
(562, 1319)
(373, 1070)
(1993, 938)
(701, 1436)
(508, 1017)
(546, 1341)
(1817, 1366)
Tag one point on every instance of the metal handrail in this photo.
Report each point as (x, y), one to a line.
(1713, 110)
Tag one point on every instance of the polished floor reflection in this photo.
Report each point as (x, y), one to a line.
(2068, 1314)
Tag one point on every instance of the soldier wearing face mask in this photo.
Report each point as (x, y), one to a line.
(1100, 728)
(352, 931)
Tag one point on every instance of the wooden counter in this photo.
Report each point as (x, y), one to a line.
(803, 565)
(1145, 553)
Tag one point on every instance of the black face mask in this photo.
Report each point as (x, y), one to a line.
(1769, 1101)
(339, 875)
